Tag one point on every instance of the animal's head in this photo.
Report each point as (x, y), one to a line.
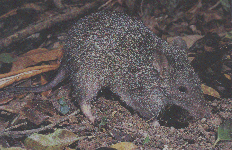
(184, 87)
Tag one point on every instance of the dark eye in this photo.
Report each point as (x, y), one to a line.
(183, 89)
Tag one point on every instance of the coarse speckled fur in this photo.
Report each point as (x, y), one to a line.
(114, 50)
(111, 49)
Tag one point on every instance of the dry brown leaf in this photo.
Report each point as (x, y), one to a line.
(6, 100)
(9, 78)
(25, 6)
(196, 7)
(35, 56)
(124, 146)
(189, 39)
(37, 111)
(56, 117)
(209, 91)
(32, 6)
(44, 81)
(10, 13)
(227, 76)
(3, 125)
(212, 15)
(15, 106)
(121, 1)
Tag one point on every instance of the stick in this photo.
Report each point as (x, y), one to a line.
(26, 132)
(75, 12)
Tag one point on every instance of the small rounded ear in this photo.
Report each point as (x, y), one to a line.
(161, 64)
(179, 42)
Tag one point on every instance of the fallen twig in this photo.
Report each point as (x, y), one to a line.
(75, 12)
(27, 132)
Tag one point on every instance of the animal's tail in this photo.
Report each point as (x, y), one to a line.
(59, 77)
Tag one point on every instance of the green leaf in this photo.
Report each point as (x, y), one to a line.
(64, 108)
(147, 140)
(62, 101)
(224, 131)
(55, 141)
(103, 122)
(6, 58)
(229, 35)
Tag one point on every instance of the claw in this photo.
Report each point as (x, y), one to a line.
(86, 109)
